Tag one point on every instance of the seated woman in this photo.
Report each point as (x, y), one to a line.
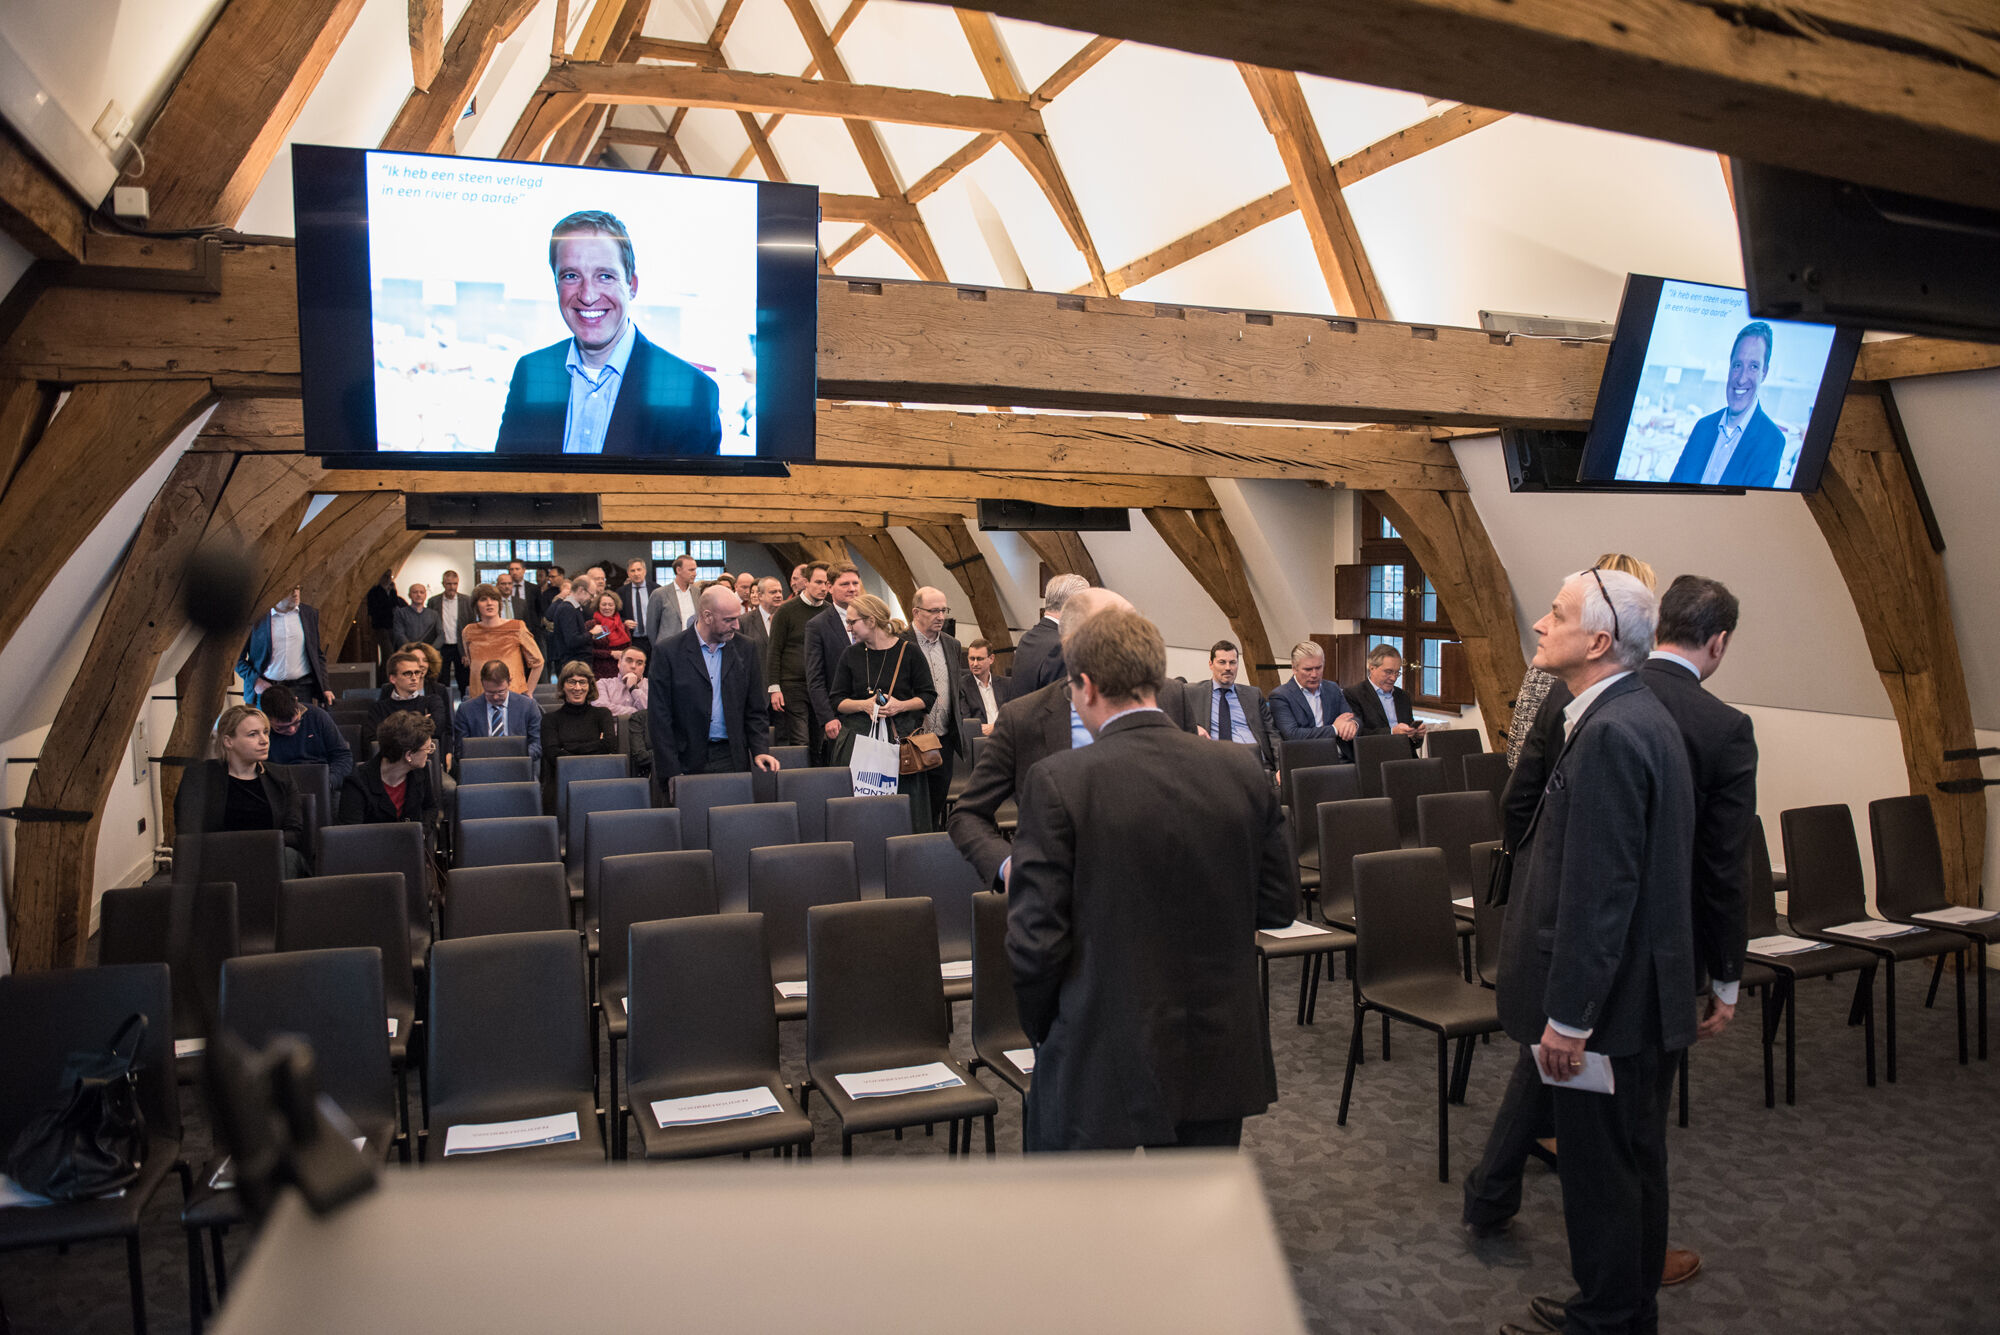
(504, 638)
(395, 785)
(605, 647)
(882, 675)
(235, 791)
(576, 727)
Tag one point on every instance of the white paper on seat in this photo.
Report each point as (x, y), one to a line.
(1465, 903)
(1784, 945)
(1298, 928)
(190, 1047)
(728, 1106)
(393, 1022)
(791, 991)
(956, 969)
(1958, 915)
(898, 1080)
(1024, 1058)
(1872, 929)
(484, 1137)
(1593, 1078)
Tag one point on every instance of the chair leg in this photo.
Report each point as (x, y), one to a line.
(197, 1282)
(1764, 1018)
(221, 1266)
(1937, 975)
(1322, 964)
(1867, 1023)
(951, 1138)
(1889, 1014)
(846, 1146)
(1353, 1060)
(1789, 1007)
(614, 1107)
(1684, 1087)
(1979, 959)
(1444, 1110)
(1958, 979)
(137, 1278)
(1308, 966)
(1385, 1037)
(989, 1136)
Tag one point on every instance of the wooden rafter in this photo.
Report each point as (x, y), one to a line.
(426, 42)
(1078, 65)
(1064, 552)
(934, 180)
(1202, 542)
(37, 208)
(735, 90)
(428, 115)
(1343, 260)
(954, 547)
(25, 408)
(1898, 358)
(840, 27)
(880, 551)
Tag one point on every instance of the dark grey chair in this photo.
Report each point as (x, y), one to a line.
(1403, 782)
(495, 769)
(929, 866)
(1308, 788)
(508, 1041)
(493, 801)
(133, 923)
(482, 748)
(1311, 951)
(252, 860)
(1308, 753)
(785, 882)
(1488, 770)
(1404, 969)
(315, 785)
(353, 850)
(524, 897)
(1452, 746)
(876, 1002)
(1362, 825)
(575, 769)
(734, 831)
(792, 757)
(343, 677)
(996, 1014)
(693, 795)
(811, 789)
(703, 1022)
(585, 797)
(1373, 751)
(868, 823)
(608, 834)
(1910, 880)
(1453, 823)
(508, 840)
(1489, 921)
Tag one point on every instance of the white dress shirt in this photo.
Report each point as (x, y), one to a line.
(448, 617)
(288, 646)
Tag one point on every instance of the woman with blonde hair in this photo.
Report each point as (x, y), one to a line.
(505, 638)
(237, 791)
(882, 676)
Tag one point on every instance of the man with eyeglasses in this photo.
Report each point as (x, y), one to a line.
(928, 611)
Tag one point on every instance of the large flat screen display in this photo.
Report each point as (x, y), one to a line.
(1698, 393)
(463, 313)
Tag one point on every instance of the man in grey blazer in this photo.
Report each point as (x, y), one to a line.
(455, 612)
(1597, 957)
(1230, 710)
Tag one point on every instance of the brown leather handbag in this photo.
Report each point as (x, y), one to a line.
(921, 751)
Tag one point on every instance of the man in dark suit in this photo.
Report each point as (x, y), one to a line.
(1309, 706)
(1737, 445)
(1148, 1020)
(415, 621)
(607, 389)
(980, 691)
(1038, 658)
(1030, 728)
(1380, 703)
(928, 611)
(756, 619)
(826, 640)
(500, 711)
(1598, 953)
(633, 597)
(1230, 710)
(454, 611)
(532, 601)
(705, 707)
(284, 648)
(569, 642)
(785, 658)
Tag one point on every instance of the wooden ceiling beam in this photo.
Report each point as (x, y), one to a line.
(426, 42)
(1078, 65)
(1204, 545)
(1904, 96)
(840, 27)
(679, 53)
(37, 207)
(735, 90)
(935, 179)
(955, 548)
(428, 116)
(880, 551)
(1900, 358)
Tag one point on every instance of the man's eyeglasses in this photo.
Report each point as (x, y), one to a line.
(935, 611)
(1608, 603)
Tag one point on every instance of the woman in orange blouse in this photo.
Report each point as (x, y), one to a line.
(505, 639)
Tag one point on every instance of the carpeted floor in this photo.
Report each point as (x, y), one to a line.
(1859, 1210)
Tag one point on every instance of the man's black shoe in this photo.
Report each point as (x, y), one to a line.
(1549, 1311)
(1478, 1231)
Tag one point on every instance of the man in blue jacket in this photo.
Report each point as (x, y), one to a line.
(1737, 445)
(284, 650)
(1309, 706)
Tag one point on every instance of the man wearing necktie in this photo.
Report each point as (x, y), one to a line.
(498, 711)
(1233, 712)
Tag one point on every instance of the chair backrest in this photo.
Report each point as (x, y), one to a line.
(609, 834)
(647, 887)
(694, 795)
(868, 823)
(792, 757)
(133, 923)
(734, 831)
(254, 860)
(360, 909)
(784, 884)
(1310, 787)
(492, 748)
(350, 676)
(1307, 753)
(1489, 921)
(1909, 865)
(507, 1019)
(810, 789)
(872, 982)
(363, 693)
(1404, 929)
(996, 1014)
(1364, 825)
(331, 998)
(44, 1017)
(355, 733)
(396, 846)
(492, 801)
(700, 1009)
(488, 901)
(589, 795)
(577, 769)
(1403, 782)
(548, 692)
(508, 839)
(1452, 746)
(314, 781)
(1371, 751)
(496, 769)
(764, 782)
(1453, 823)
(1488, 770)
(1822, 867)
(1763, 914)
(929, 866)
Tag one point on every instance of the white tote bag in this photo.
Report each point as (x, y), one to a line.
(876, 763)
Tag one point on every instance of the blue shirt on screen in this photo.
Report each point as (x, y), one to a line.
(592, 396)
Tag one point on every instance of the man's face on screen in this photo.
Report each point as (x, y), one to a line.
(1748, 361)
(594, 290)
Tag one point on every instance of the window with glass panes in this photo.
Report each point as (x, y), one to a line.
(1401, 610)
(709, 554)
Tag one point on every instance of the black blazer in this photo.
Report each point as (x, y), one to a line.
(1256, 714)
(1038, 658)
(1755, 462)
(1599, 934)
(632, 600)
(665, 406)
(363, 800)
(204, 791)
(826, 641)
(569, 641)
(679, 697)
(755, 633)
(971, 705)
(1722, 753)
(1367, 707)
(785, 656)
(1145, 1008)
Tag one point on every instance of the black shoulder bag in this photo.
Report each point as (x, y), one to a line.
(89, 1141)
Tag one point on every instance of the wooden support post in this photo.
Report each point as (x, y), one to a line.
(1063, 552)
(25, 406)
(823, 548)
(1446, 536)
(426, 41)
(1867, 508)
(1204, 544)
(880, 551)
(429, 115)
(953, 545)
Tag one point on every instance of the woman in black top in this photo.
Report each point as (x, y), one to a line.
(576, 727)
(395, 783)
(236, 792)
(882, 675)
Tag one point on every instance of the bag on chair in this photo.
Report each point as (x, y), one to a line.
(876, 762)
(88, 1141)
